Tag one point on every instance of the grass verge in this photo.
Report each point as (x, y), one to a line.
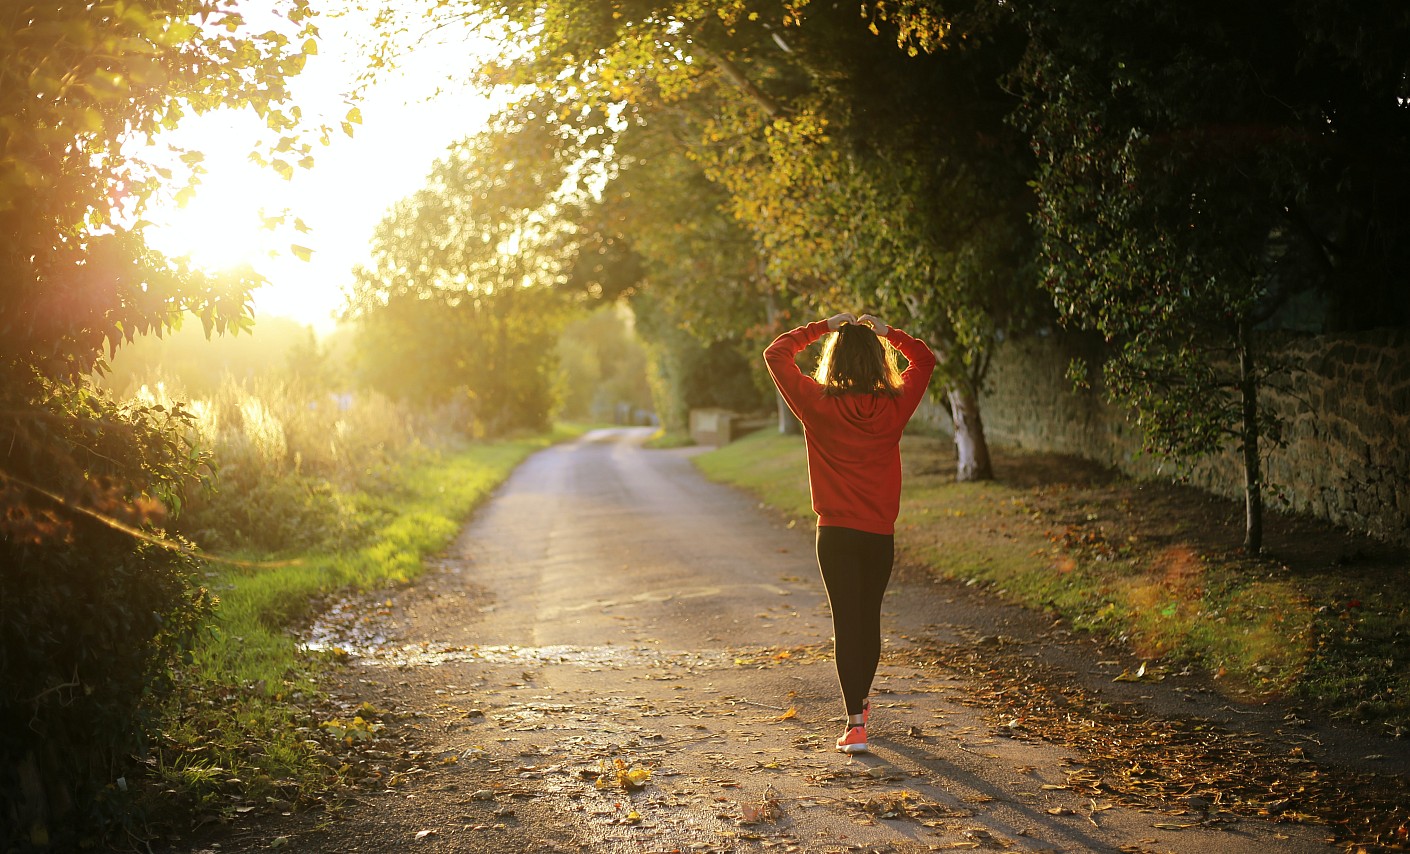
(663, 439)
(1322, 619)
(250, 724)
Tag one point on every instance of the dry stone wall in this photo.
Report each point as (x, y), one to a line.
(1345, 408)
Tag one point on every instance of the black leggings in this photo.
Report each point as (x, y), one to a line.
(856, 567)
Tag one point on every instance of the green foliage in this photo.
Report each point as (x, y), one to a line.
(81, 82)
(1188, 187)
(855, 174)
(468, 286)
(602, 367)
(697, 263)
(687, 374)
(1172, 173)
(702, 306)
(91, 616)
(90, 631)
(887, 180)
(93, 609)
(285, 460)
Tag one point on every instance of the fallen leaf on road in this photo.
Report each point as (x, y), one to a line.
(788, 715)
(765, 809)
(1141, 675)
(621, 774)
(883, 772)
(422, 834)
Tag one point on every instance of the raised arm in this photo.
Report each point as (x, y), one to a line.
(917, 374)
(796, 386)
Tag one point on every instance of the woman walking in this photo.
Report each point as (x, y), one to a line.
(853, 411)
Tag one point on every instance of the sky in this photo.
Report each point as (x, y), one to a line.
(409, 119)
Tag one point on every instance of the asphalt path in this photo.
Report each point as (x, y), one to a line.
(621, 656)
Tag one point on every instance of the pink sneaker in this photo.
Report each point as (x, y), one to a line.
(854, 740)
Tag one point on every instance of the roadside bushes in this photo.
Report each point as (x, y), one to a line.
(89, 631)
(91, 616)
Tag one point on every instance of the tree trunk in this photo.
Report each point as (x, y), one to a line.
(1253, 464)
(970, 444)
(788, 423)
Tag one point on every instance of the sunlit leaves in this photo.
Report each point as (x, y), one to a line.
(83, 86)
(782, 106)
(468, 281)
(87, 85)
(621, 775)
(357, 729)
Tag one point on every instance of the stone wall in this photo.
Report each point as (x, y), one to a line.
(1346, 413)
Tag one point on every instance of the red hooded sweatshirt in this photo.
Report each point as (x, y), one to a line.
(854, 453)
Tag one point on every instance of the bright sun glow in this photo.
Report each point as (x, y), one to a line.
(221, 226)
(408, 121)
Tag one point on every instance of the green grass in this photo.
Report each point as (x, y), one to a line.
(250, 696)
(1138, 563)
(767, 464)
(663, 439)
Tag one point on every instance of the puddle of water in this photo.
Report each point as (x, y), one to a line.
(349, 625)
(346, 627)
(356, 627)
(592, 657)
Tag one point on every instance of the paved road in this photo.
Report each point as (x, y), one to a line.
(611, 604)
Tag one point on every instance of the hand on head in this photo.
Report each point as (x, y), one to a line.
(876, 324)
(837, 321)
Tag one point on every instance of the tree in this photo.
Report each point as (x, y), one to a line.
(470, 280)
(784, 107)
(1189, 186)
(603, 367)
(892, 180)
(644, 224)
(81, 81)
(96, 602)
(703, 304)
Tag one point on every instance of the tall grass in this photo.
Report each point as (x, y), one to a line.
(288, 462)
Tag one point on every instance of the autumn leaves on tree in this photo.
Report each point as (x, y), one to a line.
(983, 172)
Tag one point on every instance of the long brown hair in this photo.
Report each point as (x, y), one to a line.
(854, 361)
